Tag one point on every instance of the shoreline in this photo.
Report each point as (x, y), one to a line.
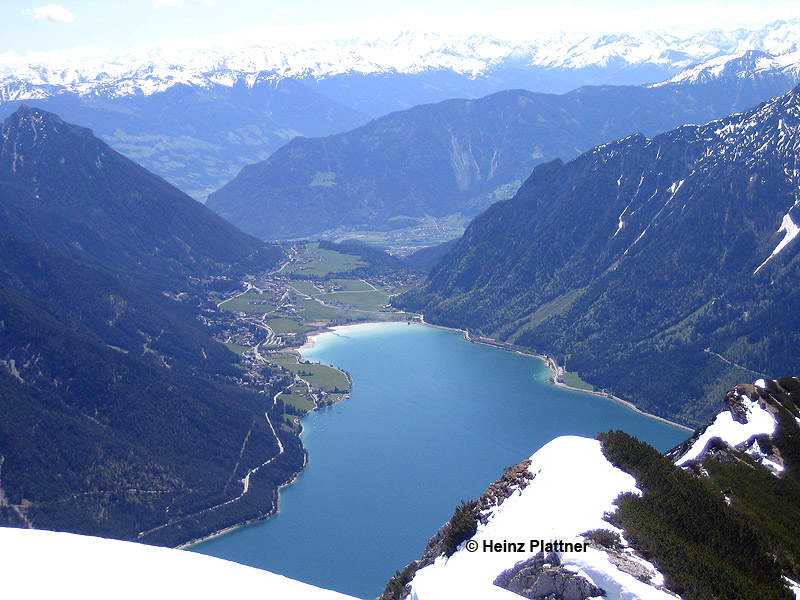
(312, 335)
(548, 361)
(271, 514)
(555, 372)
(297, 351)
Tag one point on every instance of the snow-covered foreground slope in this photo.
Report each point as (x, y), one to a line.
(46, 564)
(573, 486)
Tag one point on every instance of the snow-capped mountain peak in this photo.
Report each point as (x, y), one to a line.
(150, 70)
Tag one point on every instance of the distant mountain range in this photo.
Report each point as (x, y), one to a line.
(196, 117)
(198, 137)
(660, 269)
(567, 60)
(119, 411)
(447, 162)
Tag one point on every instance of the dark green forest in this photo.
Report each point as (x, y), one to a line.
(120, 413)
(635, 264)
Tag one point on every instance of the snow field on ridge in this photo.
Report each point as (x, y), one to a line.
(574, 485)
(759, 422)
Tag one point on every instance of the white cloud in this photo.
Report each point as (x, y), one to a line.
(160, 3)
(53, 12)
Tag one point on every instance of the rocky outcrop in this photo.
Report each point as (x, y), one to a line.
(733, 401)
(514, 478)
(543, 578)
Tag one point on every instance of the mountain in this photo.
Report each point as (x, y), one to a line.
(743, 80)
(68, 189)
(424, 258)
(198, 135)
(583, 518)
(658, 269)
(396, 71)
(197, 116)
(44, 564)
(447, 162)
(121, 417)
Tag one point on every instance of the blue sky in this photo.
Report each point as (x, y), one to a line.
(30, 26)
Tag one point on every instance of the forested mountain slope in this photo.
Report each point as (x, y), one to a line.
(458, 156)
(119, 410)
(661, 269)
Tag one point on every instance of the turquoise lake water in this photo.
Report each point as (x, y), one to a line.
(432, 419)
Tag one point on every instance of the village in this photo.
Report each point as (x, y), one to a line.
(271, 314)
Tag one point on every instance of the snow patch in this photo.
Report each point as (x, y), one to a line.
(788, 226)
(48, 564)
(793, 586)
(574, 485)
(759, 422)
(755, 451)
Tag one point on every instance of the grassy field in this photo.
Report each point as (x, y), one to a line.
(323, 262)
(237, 348)
(243, 303)
(392, 291)
(321, 377)
(281, 325)
(314, 311)
(572, 379)
(351, 292)
(291, 423)
(305, 287)
(298, 401)
(367, 300)
(349, 285)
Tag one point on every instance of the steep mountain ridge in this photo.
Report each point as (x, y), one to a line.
(85, 196)
(586, 518)
(121, 417)
(453, 159)
(675, 250)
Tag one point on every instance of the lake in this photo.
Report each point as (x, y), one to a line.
(432, 419)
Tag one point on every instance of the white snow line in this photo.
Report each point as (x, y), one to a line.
(791, 230)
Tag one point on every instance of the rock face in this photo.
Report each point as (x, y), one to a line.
(543, 578)
(515, 478)
(735, 405)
